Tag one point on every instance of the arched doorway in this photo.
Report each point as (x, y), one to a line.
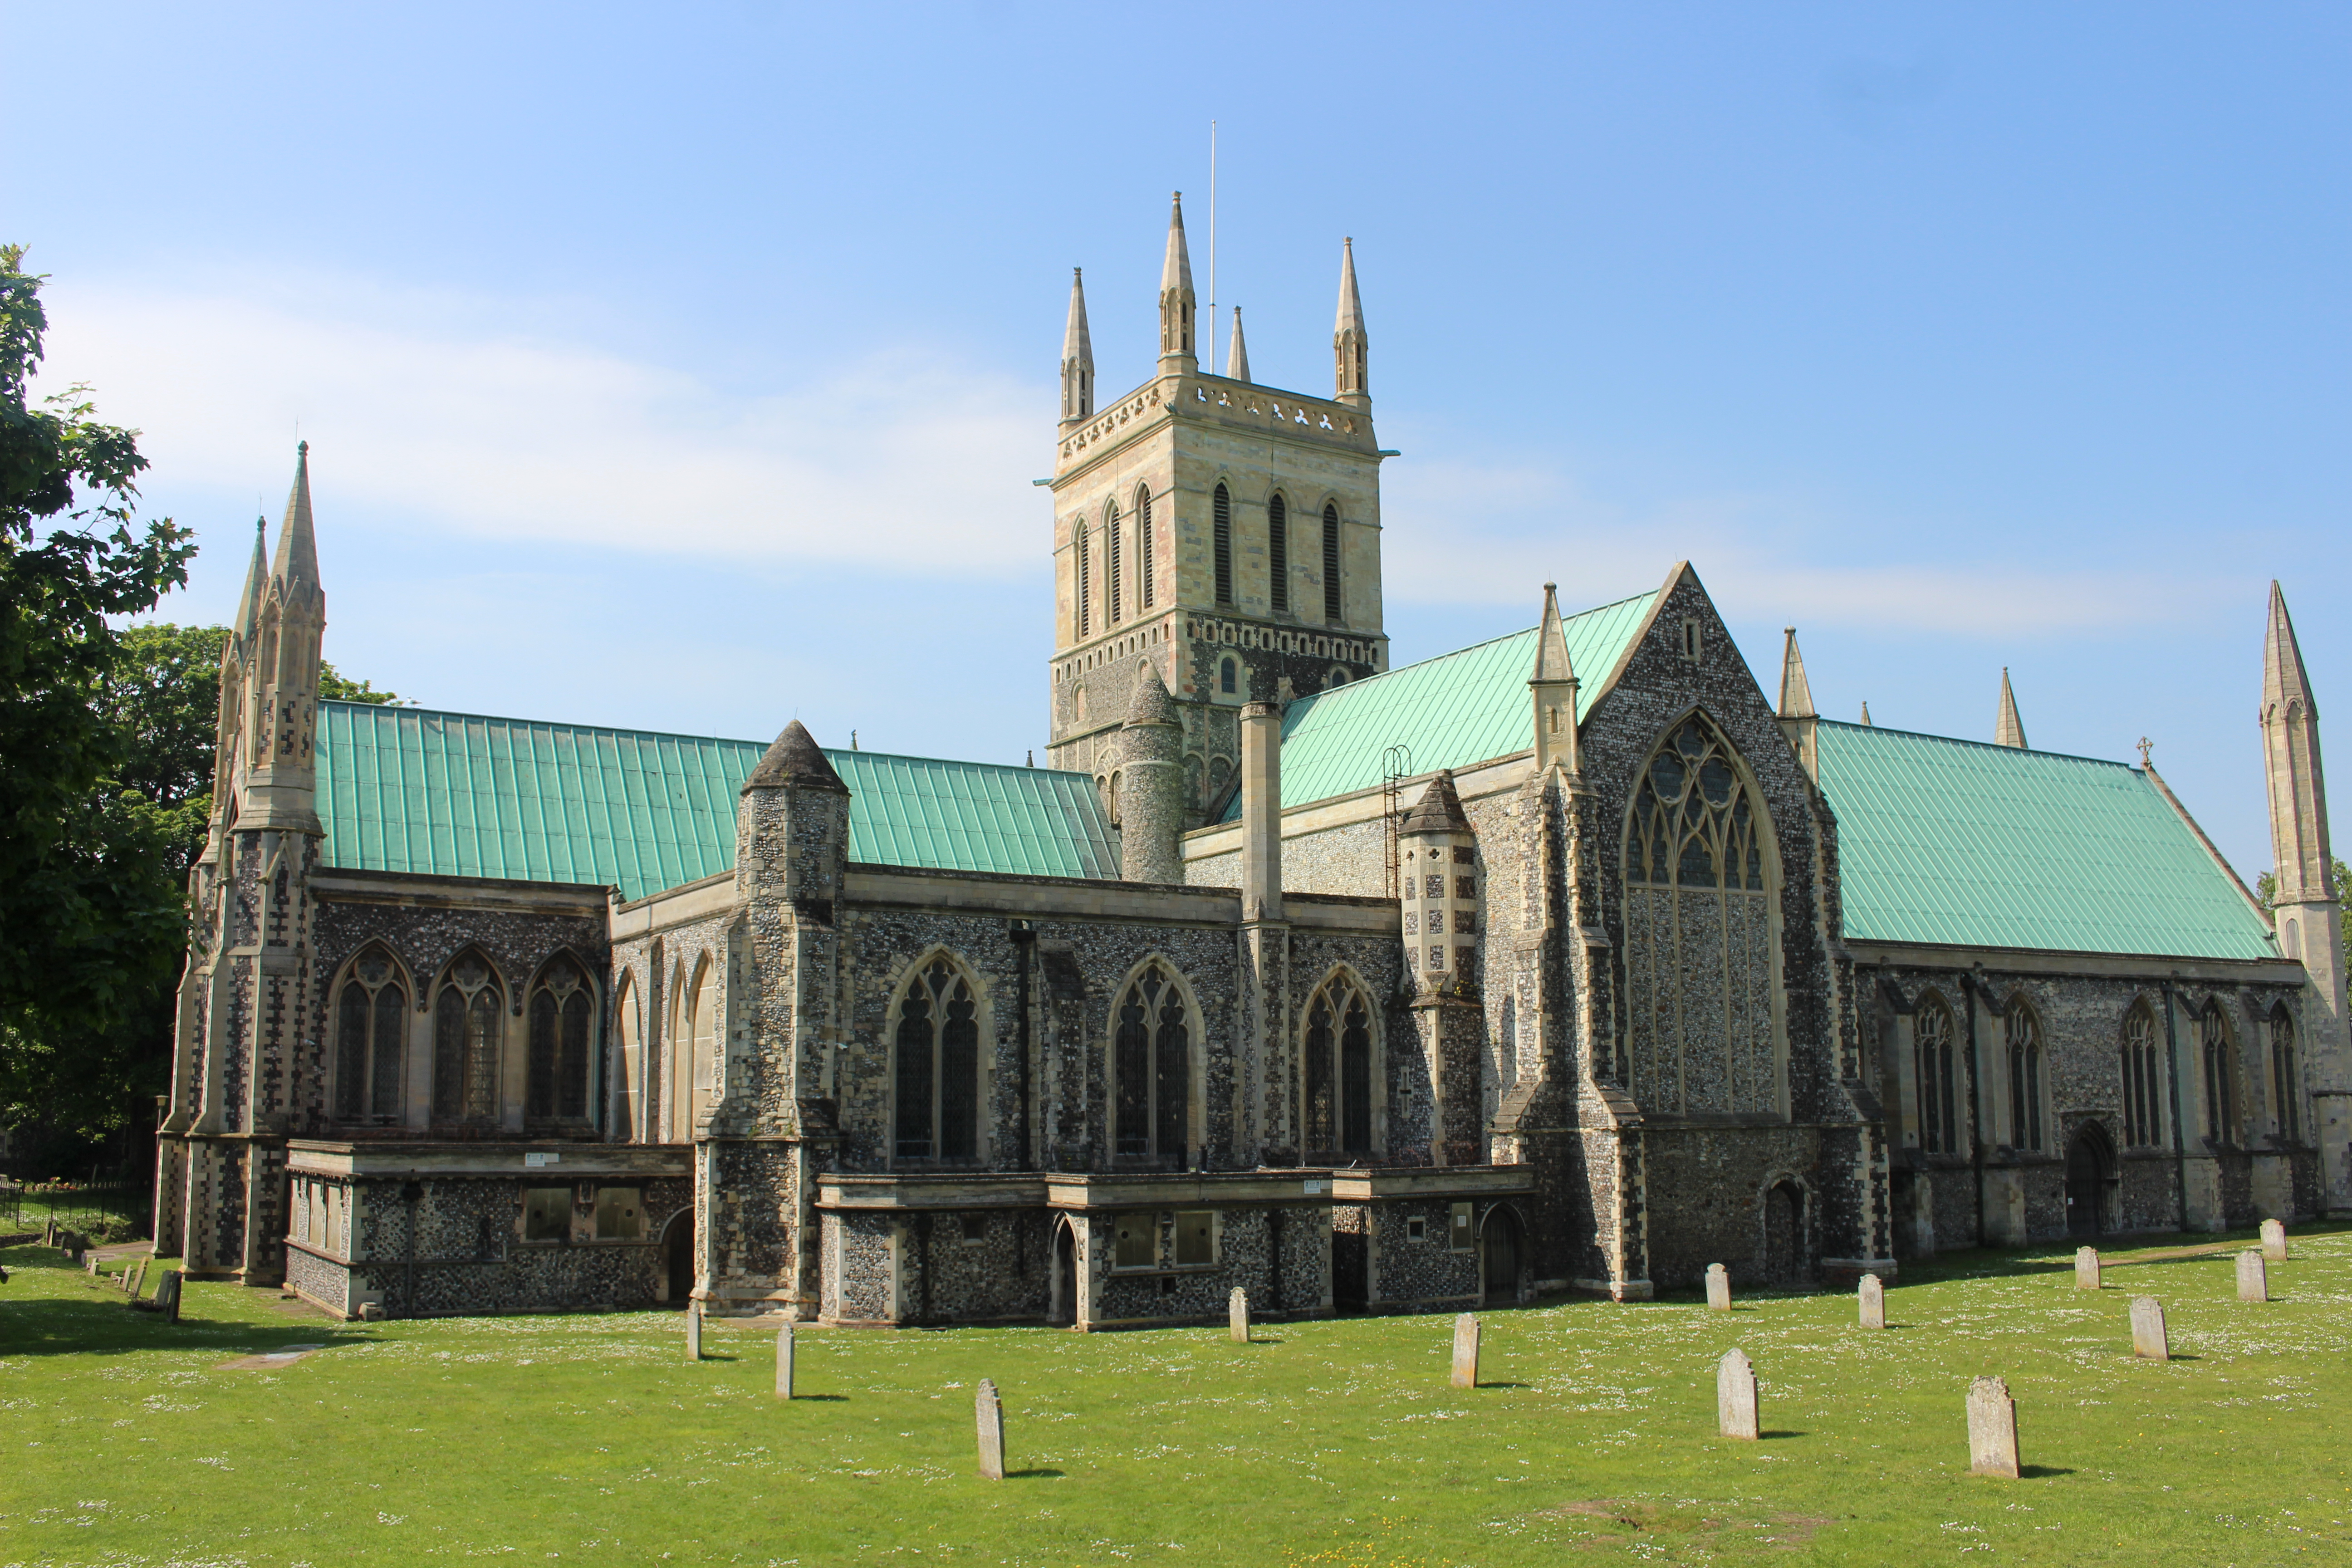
(2090, 1170)
(1498, 1249)
(678, 1258)
(1062, 1308)
(1784, 1233)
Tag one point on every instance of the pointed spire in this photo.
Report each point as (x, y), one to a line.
(1078, 354)
(796, 759)
(2298, 788)
(2011, 729)
(2285, 680)
(1351, 384)
(297, 566)
(1237, 361)
(248, 603)
(1553, 685)
(1796, 692)
(1866, 714)
(1551, 641)
(1438, 809)
(1176, 299)
(1152, 704)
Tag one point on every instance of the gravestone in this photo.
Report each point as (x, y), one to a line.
(139, 1285)
(89, 1265)
(1993, 1428)
(989, 1411)
(784, 1361)
(2149, 1341)
(2086, 1269)
(1718, 1288)
(1466, 1351)
(2253, 1279)
(1735, 1397)
(694, 1330)
(167, 1295)
(1874, 1302)
(1237, 1315)
(2274, 1240)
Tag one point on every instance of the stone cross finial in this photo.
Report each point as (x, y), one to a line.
(1993, 1429)
(989, 1411)
(1735, 1397)
(1466, 1351)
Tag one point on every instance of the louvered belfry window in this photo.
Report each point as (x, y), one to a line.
(1144, 585)
(563, 1019)
(1699, 937)
(369, 1022)
(1277, 552)
(1082, 579)
(1114, 586)
(1932, 1035)
(939, 1067)
(1221, 511)
(1331, 564)
(1153, 1066)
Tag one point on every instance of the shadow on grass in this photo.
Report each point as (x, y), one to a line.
(2042, 1472)
(1488, 1382)
(816, 1399)
(51, 1326)
(1778, 1432)
(1035, 1474)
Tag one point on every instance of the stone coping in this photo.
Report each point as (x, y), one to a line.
(2092, 965)
(558, 1162)
(1094, 1191)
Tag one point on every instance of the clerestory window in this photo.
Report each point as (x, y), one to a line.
(938, 1076)
(370, 1020)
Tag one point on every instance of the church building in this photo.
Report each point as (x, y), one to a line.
(1573, 960)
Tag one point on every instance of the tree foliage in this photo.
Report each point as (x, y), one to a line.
(2339, 879)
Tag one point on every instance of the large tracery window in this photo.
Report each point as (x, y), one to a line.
(2143, 1080)
(2221, 1075)
(1339, 1071)
(1151, 1064)
(1699, 938)
(939, 1067)
(370, 1019)
(2287, 1085)
(1940, 1102)
(466, 1042)
(2023, 1033)
(562, 1024)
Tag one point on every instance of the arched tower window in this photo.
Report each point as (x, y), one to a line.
(631, 1106)
(1083, 578)
(702, 1032)
(1331, 563)
(1145, 576)
(1339, 1071)
(938, 1076)
(2287, 1084)
(1220, 513)
(563, 1026)
(370, 1017)
(1114, 586)
(465, 1041)
(2143, 1080)
(2023, 1033)
(1933, 1037)
(2221, 1075)
(1151, 1067)
(1699, 882)
(1225, 676)
(1277, 551)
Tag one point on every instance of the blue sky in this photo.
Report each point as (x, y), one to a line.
(686, 367)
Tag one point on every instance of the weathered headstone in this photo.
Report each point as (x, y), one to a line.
(139, 1285)
(1735, 1397)
(2149, 1341)
(1466, 1351)
(1874, 1302)
(2253, 1279)
(167, 1295)
(1718, 1288)
(89, 1265)
(1993, 1428)
(694, 1330)
(2086, 1269)
(1237, 1315)
(784, 1361)
(990, 1410)
(2274, 1240)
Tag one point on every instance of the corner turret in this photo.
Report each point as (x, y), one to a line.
(1078, 355)
(1177, 305)
(1352, 385)
(1554, 685)
(282, 679)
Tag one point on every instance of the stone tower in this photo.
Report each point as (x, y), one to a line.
(2310, 921)
(1226, 534)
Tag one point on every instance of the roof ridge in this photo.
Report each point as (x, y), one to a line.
(1470, 648)
(1981, 746)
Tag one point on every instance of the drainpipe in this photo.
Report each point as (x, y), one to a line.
(2172, 1083)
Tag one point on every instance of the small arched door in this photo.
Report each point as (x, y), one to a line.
(1784, 1233)
(1499, 1248)
(1062, 1309)
(2090, 1169)
(678, 1258)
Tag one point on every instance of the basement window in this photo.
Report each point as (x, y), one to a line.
(975, 1228)
(620, 1215)
(1137, 1241)
(1416, 1228)
(547, 1213)
(1196, 1238)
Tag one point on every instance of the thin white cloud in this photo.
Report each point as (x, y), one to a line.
(415, 408)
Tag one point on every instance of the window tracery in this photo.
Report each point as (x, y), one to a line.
(465, 1041)
(1340, 1070)
(1932, 1037)
(2022, 1032)
(938, 1071)
(563, 1026)
(370, 1017)
(2287, 1085)
(1151, 1066)
(1699, 939)
(2143, 1080)
(2221, 1075)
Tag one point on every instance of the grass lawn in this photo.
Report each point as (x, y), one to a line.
(1593, 1439)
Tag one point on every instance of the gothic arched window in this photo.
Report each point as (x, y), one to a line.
(1699, 938)
(2143, 1080)
(2221, 1075)
(1083, 578)
(1151, 1067)
(1277, 551)
(1144, 576)
(1339, 1071)
(1331, 563)
(1221, 515)
(2286, 1085)
(2023, 1033)
(562, 1024)
(1932, 1037)
(631, 1105)
(370, 1019)
(1225, 676)
(938, 1076)
(1114, 595)
(465, 1041)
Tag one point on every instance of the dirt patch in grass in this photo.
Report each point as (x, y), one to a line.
(1621, 1521)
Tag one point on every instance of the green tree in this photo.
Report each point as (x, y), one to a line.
(2339, 878)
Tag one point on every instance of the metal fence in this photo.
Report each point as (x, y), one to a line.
(104, 1201)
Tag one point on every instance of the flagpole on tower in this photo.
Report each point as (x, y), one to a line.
(1212, 247)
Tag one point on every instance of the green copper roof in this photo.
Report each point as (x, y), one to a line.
(1959, 842)
(1452, 710)
(404, 789)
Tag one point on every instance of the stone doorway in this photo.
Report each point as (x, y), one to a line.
(1498, 1261)
(1062, 1308)
(1350, 1271)
(1784, 1233)
(678, 1258)
(2090, 1172)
